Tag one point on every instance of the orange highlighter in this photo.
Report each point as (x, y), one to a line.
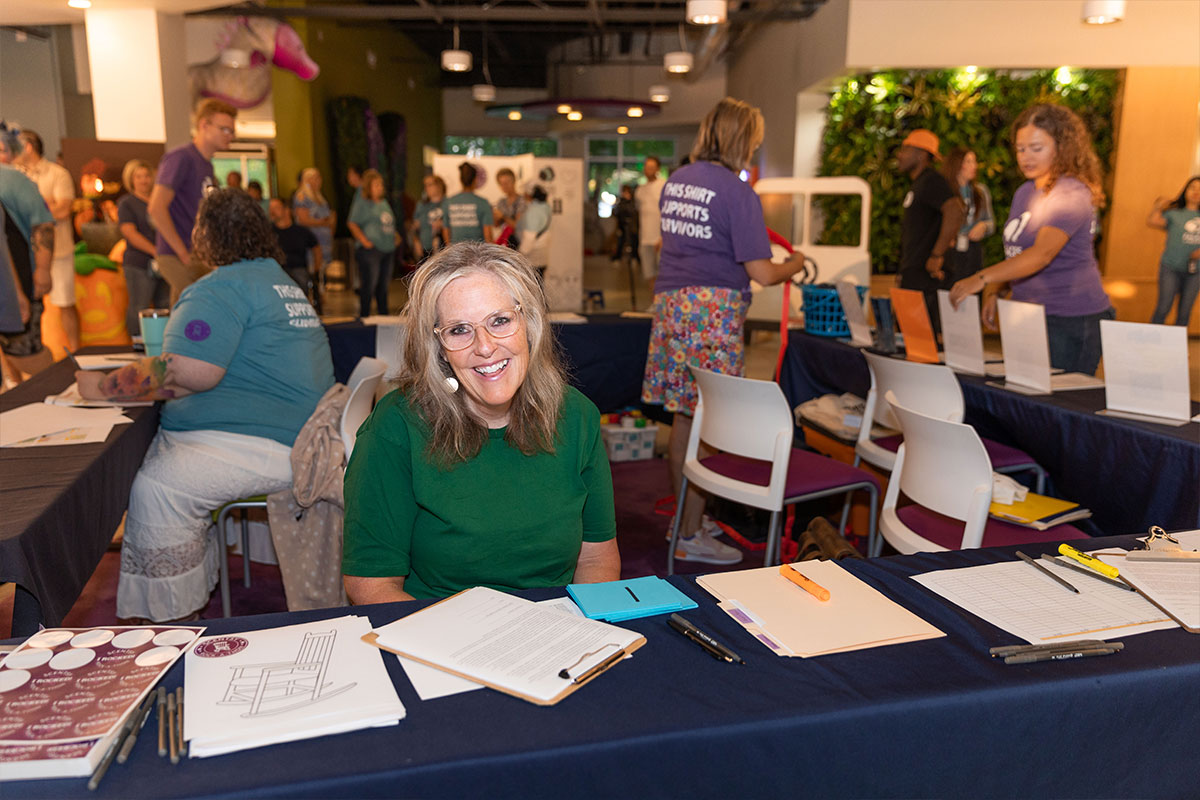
(813, 588)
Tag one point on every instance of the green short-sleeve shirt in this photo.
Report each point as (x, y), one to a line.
(503, 519)
(466, 215)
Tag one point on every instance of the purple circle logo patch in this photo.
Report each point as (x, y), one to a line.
(197, 330)
(221, 646)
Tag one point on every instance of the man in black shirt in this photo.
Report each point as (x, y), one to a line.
(297, 242)
(933, 215)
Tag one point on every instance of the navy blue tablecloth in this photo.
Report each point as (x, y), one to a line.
(932, 718)
(605, 357)
(1130, 474)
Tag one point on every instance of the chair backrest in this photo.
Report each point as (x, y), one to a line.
(363, 382)
(927, 388)
(943, 466)
(748, 418)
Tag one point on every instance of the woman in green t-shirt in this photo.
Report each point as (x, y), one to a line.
(485, 468)
(1179, 268)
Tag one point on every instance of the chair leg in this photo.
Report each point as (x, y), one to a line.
(874, 541)
(1041, 478)
(245, 548)
(675, 523)
(774, 535)
(223, 563)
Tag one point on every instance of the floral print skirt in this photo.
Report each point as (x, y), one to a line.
(700, 326)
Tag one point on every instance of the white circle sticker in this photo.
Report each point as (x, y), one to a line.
(12, 679)
(72, 659)
(92, 638)
(50, 638)
(28, 658)
(176, 637)
(156, 656)
(127, 640)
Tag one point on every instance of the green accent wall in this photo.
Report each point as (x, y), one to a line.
(404, 80)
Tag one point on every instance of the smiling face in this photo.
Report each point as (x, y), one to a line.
(143, 181)
(1035, 153)
(489, 370)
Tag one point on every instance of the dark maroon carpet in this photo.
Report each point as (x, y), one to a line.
(641, 535)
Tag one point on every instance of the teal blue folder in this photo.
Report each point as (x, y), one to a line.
(616, 601)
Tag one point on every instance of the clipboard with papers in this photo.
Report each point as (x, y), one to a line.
(509, 644)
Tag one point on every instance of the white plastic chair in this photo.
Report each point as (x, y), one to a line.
(930, 389)
(944, 468)
(362, 383)
(750, 423)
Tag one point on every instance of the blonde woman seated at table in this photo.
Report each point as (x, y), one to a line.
(484, 468)
(244, 362)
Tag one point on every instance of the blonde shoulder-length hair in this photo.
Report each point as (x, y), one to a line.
(132, 166)
(455, 434)
(305, 190)
(730, 134)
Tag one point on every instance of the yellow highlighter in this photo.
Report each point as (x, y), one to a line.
(1089, 561)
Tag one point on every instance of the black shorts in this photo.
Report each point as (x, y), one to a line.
(29, 341)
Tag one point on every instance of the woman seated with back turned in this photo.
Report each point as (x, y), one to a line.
(485, 468)
(244, 362)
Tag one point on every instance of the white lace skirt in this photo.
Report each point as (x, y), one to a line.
(168, 558)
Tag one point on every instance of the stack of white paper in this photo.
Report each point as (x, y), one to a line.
(39, 424)
(283, 684)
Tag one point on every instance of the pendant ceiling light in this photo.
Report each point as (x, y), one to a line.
(706, 12)
(455, 60)
(660, 94)
(678, 62)
(1103, 12)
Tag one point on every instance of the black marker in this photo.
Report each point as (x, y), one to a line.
(711, 645)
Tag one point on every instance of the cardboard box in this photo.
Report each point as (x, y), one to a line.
(629, 444)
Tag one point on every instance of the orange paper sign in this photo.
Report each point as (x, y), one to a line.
(913, 318)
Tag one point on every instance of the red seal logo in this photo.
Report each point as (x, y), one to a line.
(221, 646)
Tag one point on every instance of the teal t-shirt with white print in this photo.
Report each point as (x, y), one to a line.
(251, 319)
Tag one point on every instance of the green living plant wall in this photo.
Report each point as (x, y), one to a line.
(870, 114)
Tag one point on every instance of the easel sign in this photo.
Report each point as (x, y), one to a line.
(962, 338)
(913, 318)
(1146, 372)
(856, 315)
(1027, 353)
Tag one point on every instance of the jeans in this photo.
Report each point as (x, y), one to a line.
(1171, 283)
(146, 290)
(374, 277)
(1075, 341)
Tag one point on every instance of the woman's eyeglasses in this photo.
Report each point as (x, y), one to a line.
(461, 335)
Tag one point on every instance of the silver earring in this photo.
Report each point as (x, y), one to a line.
(452, 384)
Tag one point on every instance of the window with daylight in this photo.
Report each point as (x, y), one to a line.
(614, 162)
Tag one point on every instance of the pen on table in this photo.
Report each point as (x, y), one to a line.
(162, 722)
(171, 728)
(1089, 572)
(1089, 561)
(807, 584)
(71, 356)
(139, 719)
(1058, 655)
(1076, 644)
(179, 719)
(714, 648)
(631, 594)
(111, 752)
(1040, 568)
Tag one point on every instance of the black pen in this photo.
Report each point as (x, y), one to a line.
(1089, 572)
(71, 356)
(711, 645)
(139, 720)
(1040, 568)
(1058, 655)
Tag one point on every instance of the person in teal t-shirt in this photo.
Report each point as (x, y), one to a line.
(467, 215)
(245, 362)
(373, 224)
(1179, 269)
(483, 468)
(428, 217)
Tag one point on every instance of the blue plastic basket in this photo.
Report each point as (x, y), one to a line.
(823, 312)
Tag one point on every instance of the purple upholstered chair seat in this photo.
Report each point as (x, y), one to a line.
(808, 473)
(1001, 454)
(948, 532)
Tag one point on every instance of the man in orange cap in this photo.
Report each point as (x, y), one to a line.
(932, 216)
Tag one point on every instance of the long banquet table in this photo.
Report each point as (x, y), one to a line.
(605, 356)
(1130, 474)
(931, 718)
(61, 505)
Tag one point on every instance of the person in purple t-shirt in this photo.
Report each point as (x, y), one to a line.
(185, 175)
(1048, 239)
(714, 241)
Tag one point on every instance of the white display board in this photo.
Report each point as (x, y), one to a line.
(562, 178)
(828, 263)
(1146, 369)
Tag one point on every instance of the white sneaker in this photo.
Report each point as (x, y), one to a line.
(707, 525)
(702, 547)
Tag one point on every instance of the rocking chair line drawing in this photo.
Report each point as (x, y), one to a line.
(285, 685)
